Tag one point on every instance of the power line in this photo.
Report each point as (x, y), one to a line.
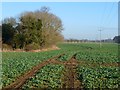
(112, 16)
(108, 15)
(102, 18)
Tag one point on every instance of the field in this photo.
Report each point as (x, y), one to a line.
(79, 65)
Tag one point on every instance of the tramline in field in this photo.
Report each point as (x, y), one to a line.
(95, 67)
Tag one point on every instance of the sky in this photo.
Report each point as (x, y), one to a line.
(81, 20)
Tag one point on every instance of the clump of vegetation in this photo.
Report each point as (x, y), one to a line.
(49, 77)
(40, 27)
(32, 46)
(100, 69)
(6, 47)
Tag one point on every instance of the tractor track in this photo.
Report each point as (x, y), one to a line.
(70, 78)
(70, 75)
(22, 79)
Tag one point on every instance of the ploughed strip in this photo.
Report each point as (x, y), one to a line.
(22, 79)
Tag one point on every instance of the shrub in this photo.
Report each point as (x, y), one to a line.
(6, 47)
(32, 46)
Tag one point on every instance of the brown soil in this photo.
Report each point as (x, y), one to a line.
(22, 79)
(70, 76)
(38, 50)
(110, 64)
(46, 49)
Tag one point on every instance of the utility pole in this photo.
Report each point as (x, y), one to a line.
(100, 37)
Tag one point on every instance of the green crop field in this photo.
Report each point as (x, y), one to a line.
(95, 67)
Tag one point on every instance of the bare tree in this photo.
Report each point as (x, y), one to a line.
(40, 27)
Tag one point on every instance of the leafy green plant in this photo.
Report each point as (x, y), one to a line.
(104, 77)
(48, 77)
(15, 64)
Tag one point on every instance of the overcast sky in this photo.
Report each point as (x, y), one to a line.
(81, 20)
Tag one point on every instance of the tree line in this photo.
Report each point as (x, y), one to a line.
(116, 39)
(36, 30)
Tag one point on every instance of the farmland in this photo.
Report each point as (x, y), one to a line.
(79, 65)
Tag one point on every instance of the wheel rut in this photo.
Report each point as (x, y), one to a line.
(70, 76)
(22, 79)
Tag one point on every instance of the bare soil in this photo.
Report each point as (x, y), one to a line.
(38, 50)
(70, 76)
(22, 79)
(69, 79)
(46, 49)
